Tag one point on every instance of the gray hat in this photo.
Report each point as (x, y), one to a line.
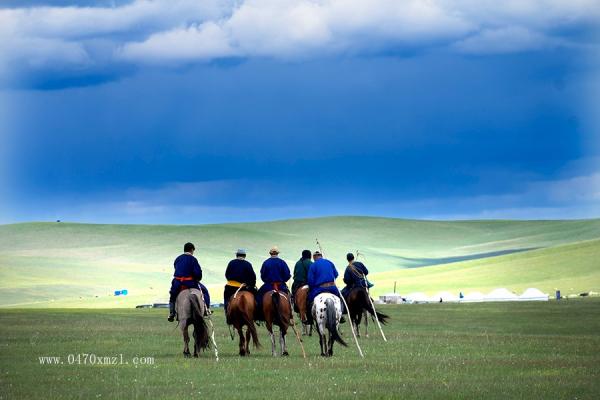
(241, 252)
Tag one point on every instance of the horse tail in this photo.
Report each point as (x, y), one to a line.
(249, 321)
(200, 328)
(277, 317)
(369, 307)
(331, 322)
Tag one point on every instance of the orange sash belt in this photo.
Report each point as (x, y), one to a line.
(184, 278)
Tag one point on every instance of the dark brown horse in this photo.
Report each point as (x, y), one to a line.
(359, 304)
(277, 311)
(190, 311)
(300, 298)
(240, 313)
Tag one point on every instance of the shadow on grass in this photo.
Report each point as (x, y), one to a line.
(426, 262)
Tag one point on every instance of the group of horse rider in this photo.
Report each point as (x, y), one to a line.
(318, 273)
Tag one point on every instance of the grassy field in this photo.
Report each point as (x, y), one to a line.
(449, 351)
(80, 265)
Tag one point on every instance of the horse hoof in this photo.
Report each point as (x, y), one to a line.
(323, 355)
(187, 355)
(195, 355)
(285, 353)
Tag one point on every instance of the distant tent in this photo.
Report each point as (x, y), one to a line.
(391, 298)
(417, 297)
(533, 294)
(473, 297)
(501, 295)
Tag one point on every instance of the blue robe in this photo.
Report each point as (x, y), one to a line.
(320, 272)
(355, 278)
(274, 270)
(186, 265)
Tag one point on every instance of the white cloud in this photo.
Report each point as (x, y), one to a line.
(180, 31)
(204, 42)
(504, 40)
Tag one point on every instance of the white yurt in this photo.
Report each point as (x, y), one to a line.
(533, 294)
(473, 297)
(391, 298)
(417, 297)
(501, 294)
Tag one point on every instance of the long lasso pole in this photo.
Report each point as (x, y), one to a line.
(372, 304)
(293, 323)
(346, 305)
(212, 337)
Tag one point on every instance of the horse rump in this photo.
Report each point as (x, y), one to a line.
(331, 322)
(248, 320)
(200, 328)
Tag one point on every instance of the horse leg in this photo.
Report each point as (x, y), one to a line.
(248, 337)
(282, 342)
(330, 348)
(242, 342)
(366, 324)
(272, 343)
(186, 340)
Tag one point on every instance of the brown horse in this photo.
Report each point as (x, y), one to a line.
(240, 312)
(277, 311)
(190, 311)
(359, 304)
(300, 298)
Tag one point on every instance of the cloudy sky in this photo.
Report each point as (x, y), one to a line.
(211, 111)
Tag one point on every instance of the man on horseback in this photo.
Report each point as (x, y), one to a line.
(274, 273)
(355, 275)
(239, 273)
(187, 276)
(301, 271)
(321, 279)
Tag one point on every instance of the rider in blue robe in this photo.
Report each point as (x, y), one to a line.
(321, 279)
(355, 275)
(187, 275)
(274, 273)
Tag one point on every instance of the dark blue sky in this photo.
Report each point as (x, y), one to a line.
(418, 130)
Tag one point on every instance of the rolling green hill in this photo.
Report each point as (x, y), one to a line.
(80, 265)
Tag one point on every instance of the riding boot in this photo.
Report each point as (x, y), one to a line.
(171, 312)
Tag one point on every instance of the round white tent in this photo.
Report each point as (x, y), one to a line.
(501, 295)
(533, 294)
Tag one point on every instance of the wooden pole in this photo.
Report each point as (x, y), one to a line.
(371, 301)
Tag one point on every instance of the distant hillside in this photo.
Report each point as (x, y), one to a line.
(64, 264)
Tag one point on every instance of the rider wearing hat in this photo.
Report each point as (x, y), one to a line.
(321, 279)
(239, 274)
(274, 273)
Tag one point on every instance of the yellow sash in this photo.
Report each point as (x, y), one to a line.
(234, 283)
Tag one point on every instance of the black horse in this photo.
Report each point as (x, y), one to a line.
(358, 304)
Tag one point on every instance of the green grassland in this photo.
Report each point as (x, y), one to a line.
(450, 351)
(80, 265)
